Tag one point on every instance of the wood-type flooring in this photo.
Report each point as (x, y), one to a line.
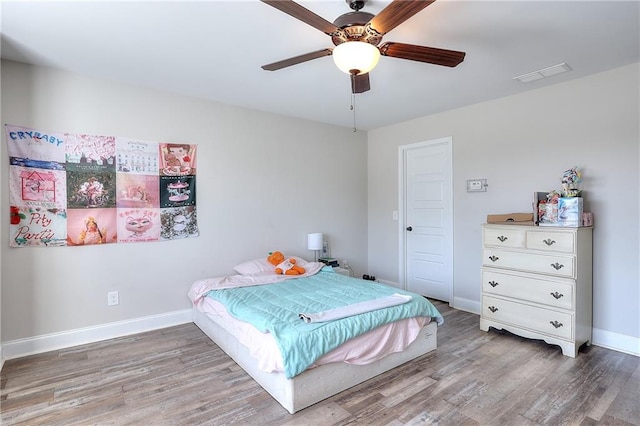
(177, 376)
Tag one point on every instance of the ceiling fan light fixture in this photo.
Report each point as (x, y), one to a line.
(356, 57)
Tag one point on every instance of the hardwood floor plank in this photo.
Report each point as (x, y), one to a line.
(400, 395)
(626, 405)
(177, 376)
(319, 415)
(602, 404)
(436, 412)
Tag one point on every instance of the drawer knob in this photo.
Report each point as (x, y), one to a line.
(493, 258)
(502, 238)
(549, 242)
(556, 324)
(557, 266)
(557, 295)
(493, 309)
(493, 283)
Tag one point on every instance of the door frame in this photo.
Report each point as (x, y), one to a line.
(402, 248)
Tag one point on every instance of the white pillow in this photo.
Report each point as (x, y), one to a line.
(252, 267)
(261, 266)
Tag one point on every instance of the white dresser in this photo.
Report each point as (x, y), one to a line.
(537, 283)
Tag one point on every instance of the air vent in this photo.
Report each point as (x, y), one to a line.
(543, 73)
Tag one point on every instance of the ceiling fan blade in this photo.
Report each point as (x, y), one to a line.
(297, 60)
(360, 83)
(303, 14)
(431, 55)
(396, 13)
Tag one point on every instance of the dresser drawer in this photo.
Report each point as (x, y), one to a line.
(553, 264)
(551, 241)
(532, 288)
(504, 237)
(538, 319)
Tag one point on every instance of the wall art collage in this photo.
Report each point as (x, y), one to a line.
(69, 189)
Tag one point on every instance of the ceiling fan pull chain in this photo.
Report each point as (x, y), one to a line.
(353, 108)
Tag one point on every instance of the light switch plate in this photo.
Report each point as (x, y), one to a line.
(477, 185)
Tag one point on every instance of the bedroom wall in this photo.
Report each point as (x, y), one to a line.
(263, 183)
(2, 166)
(522, 144)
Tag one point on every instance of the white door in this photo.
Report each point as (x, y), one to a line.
(426, 225)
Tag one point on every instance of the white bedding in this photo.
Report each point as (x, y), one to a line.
(354, 309)
(362, 350)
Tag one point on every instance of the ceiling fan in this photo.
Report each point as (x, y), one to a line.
(357, 36)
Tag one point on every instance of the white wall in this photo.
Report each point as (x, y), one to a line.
(2, 166)
(263, 183)
(522, 144)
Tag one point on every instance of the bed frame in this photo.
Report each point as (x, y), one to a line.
(318, 383)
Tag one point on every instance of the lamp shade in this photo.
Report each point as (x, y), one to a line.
(314, 241)
(356, 57)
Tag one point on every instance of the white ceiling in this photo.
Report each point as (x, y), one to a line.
(214, 50)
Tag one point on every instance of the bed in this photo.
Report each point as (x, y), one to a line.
(347, 355)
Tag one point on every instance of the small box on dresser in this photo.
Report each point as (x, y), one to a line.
(570, 211)
(537, 283)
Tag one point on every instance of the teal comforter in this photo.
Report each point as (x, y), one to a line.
(274, 308)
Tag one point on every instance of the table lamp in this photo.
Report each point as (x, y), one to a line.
(314, 242)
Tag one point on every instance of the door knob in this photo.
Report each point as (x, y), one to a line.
(409, 228)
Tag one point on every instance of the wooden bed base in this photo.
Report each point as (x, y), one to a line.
(318, 383)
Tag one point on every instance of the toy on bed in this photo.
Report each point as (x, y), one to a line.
(284, 266)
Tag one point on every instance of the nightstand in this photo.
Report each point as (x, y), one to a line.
(342, 271)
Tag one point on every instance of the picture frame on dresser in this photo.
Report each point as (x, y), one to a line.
(537, 283)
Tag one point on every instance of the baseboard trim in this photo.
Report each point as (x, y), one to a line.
(66, 339)
(467, 305)
(617, 342)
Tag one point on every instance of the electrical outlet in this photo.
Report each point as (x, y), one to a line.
(113, 298)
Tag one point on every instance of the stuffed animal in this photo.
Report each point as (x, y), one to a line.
(284, 266)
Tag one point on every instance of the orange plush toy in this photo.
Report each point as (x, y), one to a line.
(284, 266)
